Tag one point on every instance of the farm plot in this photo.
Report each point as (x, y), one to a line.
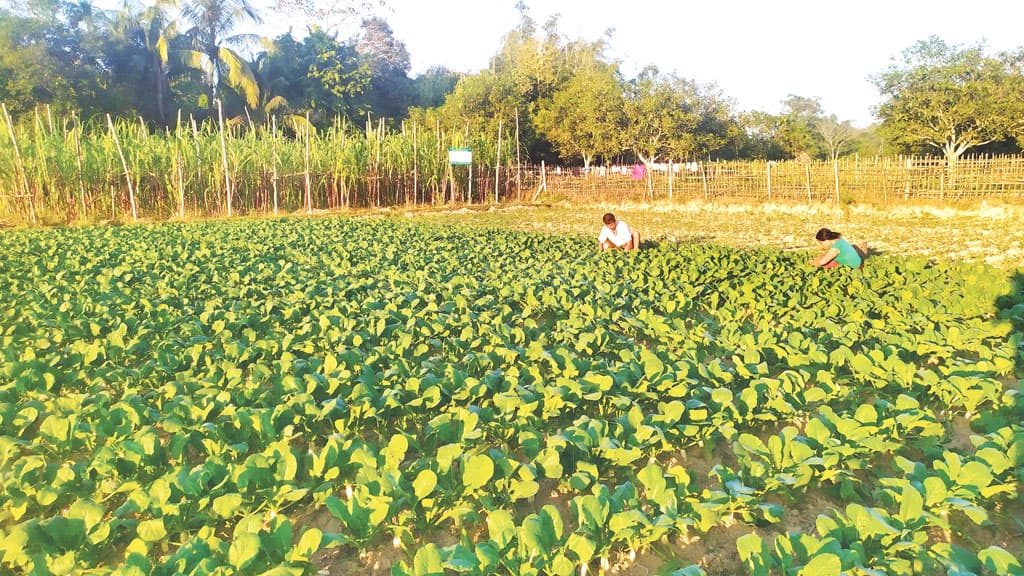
(289, 396)
(977, 233)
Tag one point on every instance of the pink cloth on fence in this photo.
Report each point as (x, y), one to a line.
(639, 171)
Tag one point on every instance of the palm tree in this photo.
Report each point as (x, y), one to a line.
(150, 29)
(86, 14)
(212, 24)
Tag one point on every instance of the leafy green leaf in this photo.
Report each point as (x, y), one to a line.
(425, 483)
(822, 565)
(243, 550)
(998, 561)
(478, 470)
(501, 527)
(228, 505)
(911, 505)
(152, 530)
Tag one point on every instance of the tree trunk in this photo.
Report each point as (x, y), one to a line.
(159, 77)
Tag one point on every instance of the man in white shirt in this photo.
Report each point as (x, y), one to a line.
(616, 234)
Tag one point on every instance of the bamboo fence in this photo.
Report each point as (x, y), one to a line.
(880, 180)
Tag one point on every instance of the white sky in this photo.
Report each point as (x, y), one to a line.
(757, 51)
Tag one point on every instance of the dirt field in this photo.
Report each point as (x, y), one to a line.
(992, 234)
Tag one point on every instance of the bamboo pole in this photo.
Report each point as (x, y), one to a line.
(519, 165)
(835, 173)
(43, 173)
(807, 181)
(180, 159)
(415, 165)
(127, 172)
(20, 166)
(273, 140)
(704, 179)
(309, 185)
(224, 156)
(497, 164)
(78, 162)
(543, 182)
(670, 174)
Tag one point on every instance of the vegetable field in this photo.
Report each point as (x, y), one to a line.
(374, 396)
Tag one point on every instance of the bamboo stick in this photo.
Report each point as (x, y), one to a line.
(273, 140)
(78, 162)
(415, 165)
(309, 191)
(224, 157)
(127, 172)
(20, 166)
(497, 164)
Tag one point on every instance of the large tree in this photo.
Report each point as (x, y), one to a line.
(430, 88)
(659, 118)
(390, 89)
(951, 98)
(212, 25)
(146, 34)
(798, 133)
(51, 53)
(318, 75)
(718, 131)
(583, 117)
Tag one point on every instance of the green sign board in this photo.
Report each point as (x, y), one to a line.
(460, 156)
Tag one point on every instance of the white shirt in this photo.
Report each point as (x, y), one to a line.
(620, 237)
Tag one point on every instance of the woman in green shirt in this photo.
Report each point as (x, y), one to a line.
(837, 251)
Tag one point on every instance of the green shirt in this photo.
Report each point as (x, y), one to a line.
(848, 256)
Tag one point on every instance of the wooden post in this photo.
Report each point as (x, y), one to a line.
(497, 164)
(415, 166)
(20, 166)
(127, 173)
(224, 157)
(543, 182)
(451, 183)
(78, 159)
(670, 175)
(906, 186)
(273, 140)
(769, 180)
(704, 179)
(519, 165)
(807, 176)
(835, 173)
(309, 191)
(180, 159)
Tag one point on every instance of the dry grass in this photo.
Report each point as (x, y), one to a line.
(982, 233)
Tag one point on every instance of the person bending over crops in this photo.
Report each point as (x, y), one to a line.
(838, 252)
(616, 234)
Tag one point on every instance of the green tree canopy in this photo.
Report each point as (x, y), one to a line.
(51, 54)
(319, 75)
(390, 89)
(583, 117)
(951, 98)
(660, 119)
(213, 23)
(798, 133)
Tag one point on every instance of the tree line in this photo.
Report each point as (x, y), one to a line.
(560, 99)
